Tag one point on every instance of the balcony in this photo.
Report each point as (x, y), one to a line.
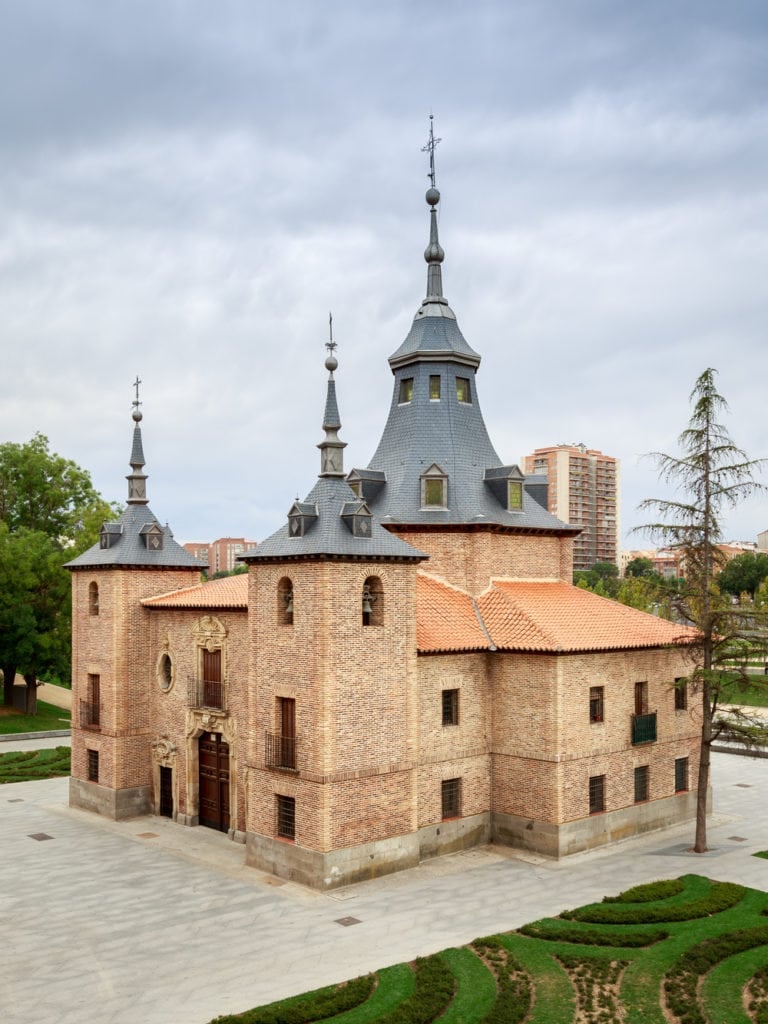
(207, 694)
(90, 715)
(644, 728)
(280, 751)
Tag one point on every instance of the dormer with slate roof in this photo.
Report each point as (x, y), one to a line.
(435, 420)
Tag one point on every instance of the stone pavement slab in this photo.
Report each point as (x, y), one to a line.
(148, 921)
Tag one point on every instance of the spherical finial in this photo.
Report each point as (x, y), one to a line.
(331, 363)
(432, 196)
(138, 415)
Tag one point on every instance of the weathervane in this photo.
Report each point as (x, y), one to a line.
(430, 148)
(330, 344)
(136, 403)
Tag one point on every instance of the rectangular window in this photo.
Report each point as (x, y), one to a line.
(596, 703)
(434, 492)
(93, 766)
(434, 388)
(596, 794)
(463, 392)
(406, 390)
(286, 817)
(641, 698)
(451, 798)
(681, 694)
(514, 495)
(641, 784)
(681, 774)
(450, 707)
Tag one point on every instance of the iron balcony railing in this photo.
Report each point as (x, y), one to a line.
(644, 728)
(207, 693)
(90, 715)
(279, 751)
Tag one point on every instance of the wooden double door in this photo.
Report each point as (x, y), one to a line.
(214, 781)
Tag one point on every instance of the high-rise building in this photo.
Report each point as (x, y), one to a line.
(583, 490)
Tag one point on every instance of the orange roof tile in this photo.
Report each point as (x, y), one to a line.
(560, 617)
(446, 619)
(227, 592)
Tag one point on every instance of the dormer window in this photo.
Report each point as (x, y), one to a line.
(434, 388)
(406, 391)
(434, 488)
(514, 495)
(301, 518)
(152, 535)
(109, 535)
(463, 390)
(357, 517)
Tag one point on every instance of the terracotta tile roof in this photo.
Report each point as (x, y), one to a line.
(228, 592)
(560, 617)
(446, 619)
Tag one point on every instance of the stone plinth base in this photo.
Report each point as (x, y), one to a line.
(597, 830)
(111, 803)
(454, 835)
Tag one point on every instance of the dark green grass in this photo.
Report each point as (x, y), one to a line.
(47, 719)
(28, 765)
(712, 948)
(761, 853)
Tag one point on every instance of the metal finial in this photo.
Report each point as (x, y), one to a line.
(331, 362)
(136, 403)
(430, 148)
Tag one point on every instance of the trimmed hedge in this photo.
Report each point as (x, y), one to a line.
(593, 936)
(513, 1002)
(435, 985)
(681, 983)
(758, 996)
(722, 896)
(649, 893)
(325, 1002)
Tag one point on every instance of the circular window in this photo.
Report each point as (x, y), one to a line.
(165, 672)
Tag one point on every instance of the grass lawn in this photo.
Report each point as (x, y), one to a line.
(47, 719)
(657, 954)
(755, 696)
(28, 765)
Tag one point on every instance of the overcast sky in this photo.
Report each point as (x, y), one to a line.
(187, 189)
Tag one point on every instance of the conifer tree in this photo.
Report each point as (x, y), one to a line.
(709, 476)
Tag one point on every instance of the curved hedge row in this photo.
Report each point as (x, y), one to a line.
(593, 936)
(435, 985)
(649, 892)
(513, 1002)
(722, 896)
(325, 1002)
(681, 983)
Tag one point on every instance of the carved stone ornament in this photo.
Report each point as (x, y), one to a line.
(211, 721)
(209, 632)
(164, 751)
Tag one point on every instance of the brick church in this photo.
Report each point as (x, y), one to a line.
(405, 670)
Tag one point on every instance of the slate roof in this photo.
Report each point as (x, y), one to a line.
(128, 547)
(228, 592)
(329, 535)
(545, 617)
(434, 334)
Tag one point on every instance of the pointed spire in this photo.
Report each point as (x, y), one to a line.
(331, 449)
(433, 254)
(137, 487)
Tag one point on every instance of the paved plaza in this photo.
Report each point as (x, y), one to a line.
(152, 922)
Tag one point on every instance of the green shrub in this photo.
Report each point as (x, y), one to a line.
(681, 983)
(435, 986)
(592, 936)
(325, 1002)
(722, 896)
(649, 892)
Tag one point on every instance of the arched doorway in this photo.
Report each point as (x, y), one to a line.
(214, 781)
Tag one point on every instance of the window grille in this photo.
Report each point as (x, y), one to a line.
(451, 798)
(681, 774)
(93, 766)
(681, 695)
(596, 794)
(286, 817)
(450, 707)
(596, 703)
(641, 783)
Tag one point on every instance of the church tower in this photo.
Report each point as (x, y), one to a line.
(112, 676)
(332, 635)
(435, 478)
